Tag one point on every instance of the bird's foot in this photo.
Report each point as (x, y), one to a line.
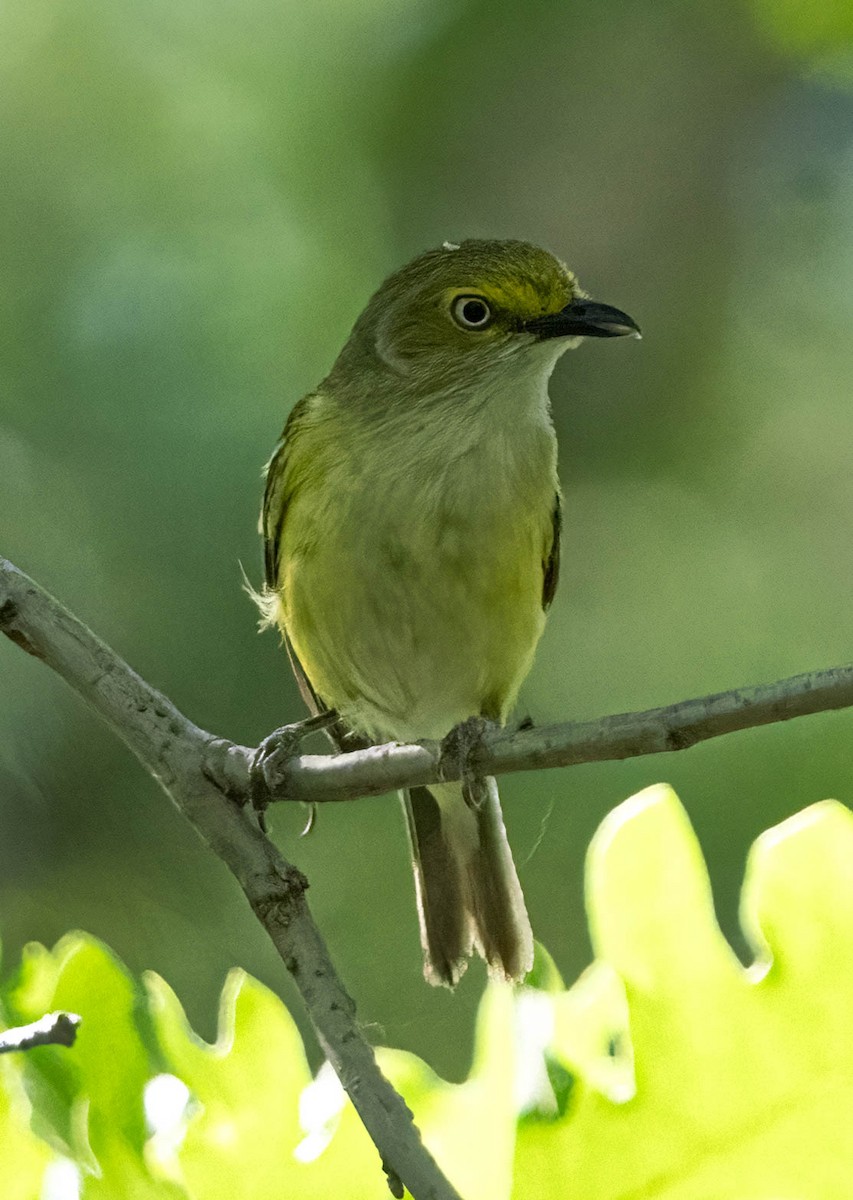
(457, 759)
(280, 746)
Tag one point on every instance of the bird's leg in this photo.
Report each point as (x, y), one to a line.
(282, 743)
(458, 749)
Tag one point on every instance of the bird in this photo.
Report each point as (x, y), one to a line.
(411, 523)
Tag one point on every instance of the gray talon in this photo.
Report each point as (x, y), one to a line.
(457, 750)
(284, 743)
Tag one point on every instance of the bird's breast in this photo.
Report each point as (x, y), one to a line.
(417, 599)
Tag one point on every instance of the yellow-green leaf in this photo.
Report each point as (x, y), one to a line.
(743, 1076)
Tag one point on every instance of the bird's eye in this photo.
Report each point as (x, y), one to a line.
(471, 312)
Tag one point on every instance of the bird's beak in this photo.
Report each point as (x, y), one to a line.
(584, 318)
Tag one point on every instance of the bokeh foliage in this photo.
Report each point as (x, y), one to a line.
(197, 200)
(668, 1071)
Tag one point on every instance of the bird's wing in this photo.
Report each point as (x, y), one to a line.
(277, 495)
(273, 512)
(551, 560)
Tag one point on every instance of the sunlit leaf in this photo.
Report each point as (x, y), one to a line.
(89, 1097)
(23, 1157)
(260, 1126)
(744, 1077)
(469, 1127)
(243, 1125)
(668, 1070)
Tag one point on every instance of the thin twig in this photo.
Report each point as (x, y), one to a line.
(208, 781)
(55, 1029)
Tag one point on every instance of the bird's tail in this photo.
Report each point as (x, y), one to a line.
(469, 897)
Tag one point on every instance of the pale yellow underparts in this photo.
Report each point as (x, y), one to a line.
(413, 550)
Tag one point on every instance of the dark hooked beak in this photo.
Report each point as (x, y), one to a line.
(584, 318)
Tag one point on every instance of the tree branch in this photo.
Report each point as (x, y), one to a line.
(55, 1029)
(208, 781)
(320, 778)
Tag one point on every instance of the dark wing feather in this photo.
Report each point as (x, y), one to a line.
(276, 496)
(551, 562)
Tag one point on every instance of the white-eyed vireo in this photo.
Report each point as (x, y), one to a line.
(411, 523)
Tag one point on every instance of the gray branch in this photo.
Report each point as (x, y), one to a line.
(208, 781)
(55, 1029)
(319, 778)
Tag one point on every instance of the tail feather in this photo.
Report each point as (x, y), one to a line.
(468, 892)
(447, 937)
(502, 928)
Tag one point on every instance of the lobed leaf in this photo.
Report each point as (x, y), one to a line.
(744, 1076)
(668, 1071)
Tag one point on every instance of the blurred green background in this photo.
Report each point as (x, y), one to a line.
(195, 202)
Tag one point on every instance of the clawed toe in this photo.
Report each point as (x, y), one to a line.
(282, 744)
(458, 749)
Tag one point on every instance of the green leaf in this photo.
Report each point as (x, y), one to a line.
(89, 1097)
(667, 1072)
(262, 1127)
(743, 1076)
(469, 1127)
(244, 1123)
(23, 1156)
(50, 1076)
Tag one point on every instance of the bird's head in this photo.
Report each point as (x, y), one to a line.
(461, 312)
